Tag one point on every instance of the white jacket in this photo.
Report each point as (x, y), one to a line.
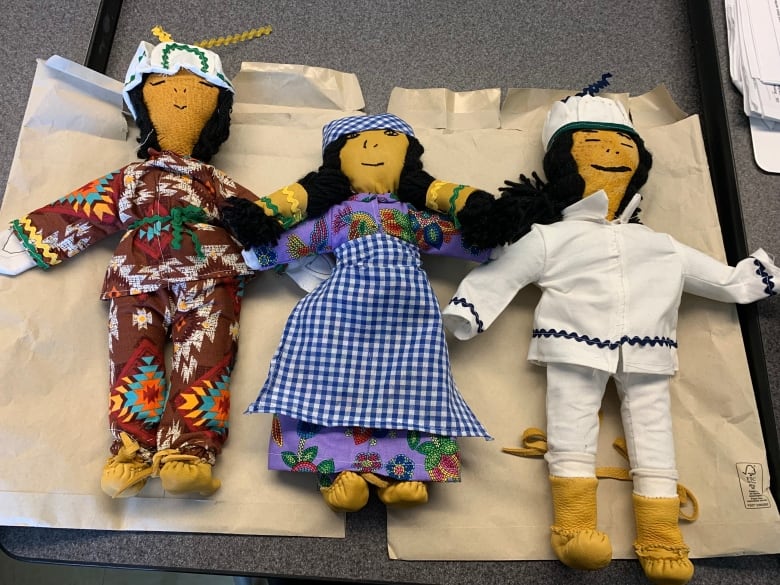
(608, 289)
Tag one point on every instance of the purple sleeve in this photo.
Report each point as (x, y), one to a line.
(435, 233)
(432, 233)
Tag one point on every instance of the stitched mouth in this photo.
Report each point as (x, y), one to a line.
(379, 164)
(179, 107)
(611, 169)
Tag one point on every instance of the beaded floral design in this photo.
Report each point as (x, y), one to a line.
(442, 456)
(303, 459)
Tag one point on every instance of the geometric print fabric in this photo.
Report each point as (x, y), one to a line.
(188, 408)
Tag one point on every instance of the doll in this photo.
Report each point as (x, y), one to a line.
(611, 289)
(360, 385)
(176, 274)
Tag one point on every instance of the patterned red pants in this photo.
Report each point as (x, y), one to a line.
(188, 408)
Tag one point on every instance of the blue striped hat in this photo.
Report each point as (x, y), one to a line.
(338, 128)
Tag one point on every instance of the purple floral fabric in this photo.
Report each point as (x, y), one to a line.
(298, 446)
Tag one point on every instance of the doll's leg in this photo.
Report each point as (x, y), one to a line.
(574, 395)
(194, 424)
(137, 334)
(647, 423)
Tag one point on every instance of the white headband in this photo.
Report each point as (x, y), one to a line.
(168, 59)
(585, 111)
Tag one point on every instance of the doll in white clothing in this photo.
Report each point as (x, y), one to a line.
(611, 289)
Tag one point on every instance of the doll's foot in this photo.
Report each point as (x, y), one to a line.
(581, 549)
(659, 543)
(347, 493)
(125, 473)
(184, 474)
(574, 537)
(403, 494)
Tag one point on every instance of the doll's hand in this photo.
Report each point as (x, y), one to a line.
(250, 224)
(14, 259)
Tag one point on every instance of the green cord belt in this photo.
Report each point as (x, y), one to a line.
(177, 218)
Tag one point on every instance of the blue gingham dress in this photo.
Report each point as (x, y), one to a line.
(366, 348)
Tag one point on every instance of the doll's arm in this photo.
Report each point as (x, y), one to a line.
(487, 290)
(14, 259)
(752, 279)
(260, 221)
(473, 210)
(58, 231)
(464, 204)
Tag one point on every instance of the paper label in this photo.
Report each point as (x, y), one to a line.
(751, 481)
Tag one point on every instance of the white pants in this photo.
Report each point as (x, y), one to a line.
(574, 396)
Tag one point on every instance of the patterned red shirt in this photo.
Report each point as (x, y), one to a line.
(169, 207)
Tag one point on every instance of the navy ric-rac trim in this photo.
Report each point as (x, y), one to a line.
(606, 343)
(766, 278)
(470, 307)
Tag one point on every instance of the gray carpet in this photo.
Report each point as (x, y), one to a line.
(459, 45)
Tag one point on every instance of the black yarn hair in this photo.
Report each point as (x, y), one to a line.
(566, 186)
(412, 167)
(331, 156)
(213, 135)
(531, 200)
(325, 187)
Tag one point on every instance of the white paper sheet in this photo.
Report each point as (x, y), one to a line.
(753, 28)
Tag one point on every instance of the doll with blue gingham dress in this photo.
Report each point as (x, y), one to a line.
(360, 386)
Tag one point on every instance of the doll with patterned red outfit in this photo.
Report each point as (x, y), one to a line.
(360, 385)
(177, 274)
(611, 289)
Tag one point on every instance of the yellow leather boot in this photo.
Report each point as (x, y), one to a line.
(183, 474)
(125, 473)
(347, 493)
(574, 537)
(659, 543)
(403, 494)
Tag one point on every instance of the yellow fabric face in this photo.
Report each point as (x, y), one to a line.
(372, 160)
(179, 106)
(606, 159)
